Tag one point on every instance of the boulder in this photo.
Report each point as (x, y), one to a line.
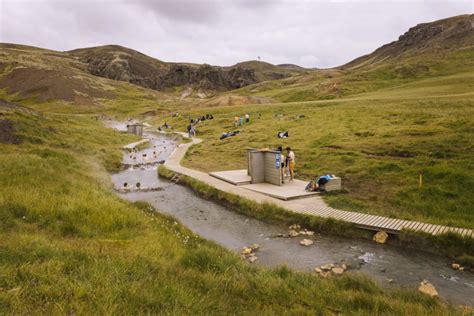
(428, 289)
(381, 237)
(295, 227)
(255, 247)
(337, 270)
(327, 267)
(456, 266)
(318, 270)
(246, 251)
(306, 242)
(293, 233)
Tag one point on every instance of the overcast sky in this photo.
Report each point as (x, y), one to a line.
(222, 32)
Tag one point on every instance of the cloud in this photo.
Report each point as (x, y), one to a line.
(310, 33)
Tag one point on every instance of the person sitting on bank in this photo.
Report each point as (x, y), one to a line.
(319, 184)
(247, 118)
(291, 162)
(282, 164)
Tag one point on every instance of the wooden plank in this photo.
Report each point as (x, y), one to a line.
(399, 225)
(464, 231)
(396, 224)
(443, 230)
(361, 218)
(367, 219)
(353, 216)
(372, 221)
(344, 215)
(415, 225)
(427, 228)
(436, 230)
(384, 223)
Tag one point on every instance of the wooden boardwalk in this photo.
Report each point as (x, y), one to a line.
(313, 205)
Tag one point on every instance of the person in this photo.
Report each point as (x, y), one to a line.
(291, 162)
(236, 121)
(282, 164)
(247, 118)
(319, 184)
(190, 128)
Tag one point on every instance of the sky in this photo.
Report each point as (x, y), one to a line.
(308, 33)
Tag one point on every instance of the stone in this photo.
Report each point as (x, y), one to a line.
(327, 267)
(318, 270)
(390, 280)
(344, 266)
(255, 247)
(337, 270)
(252, 258)
(293, 233)
(295, 227)
(306, 242)
(461, 268)
(381, 237)
(324, 274)
(246, 251)
(456, 266)
(428, 289)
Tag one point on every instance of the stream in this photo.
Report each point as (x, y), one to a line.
(390, 266)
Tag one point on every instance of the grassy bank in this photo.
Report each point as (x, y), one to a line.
(68, 245)
(378, 147)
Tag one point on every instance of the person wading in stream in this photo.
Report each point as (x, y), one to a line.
(282, 164)
(291, 162)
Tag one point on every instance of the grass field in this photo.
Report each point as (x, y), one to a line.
(377, 142)
(68, 245)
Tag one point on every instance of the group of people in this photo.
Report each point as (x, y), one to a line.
(193, 122)
(239, 120)
(287, 164)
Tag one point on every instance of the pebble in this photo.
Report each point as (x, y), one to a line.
(306, 242)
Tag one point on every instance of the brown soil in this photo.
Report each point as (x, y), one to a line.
(48, 85)
(7, 133)
(237, 100)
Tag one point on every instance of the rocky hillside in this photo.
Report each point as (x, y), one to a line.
(120, 63)
(447, 34)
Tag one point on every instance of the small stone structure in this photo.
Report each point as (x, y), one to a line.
(264, 166)
(334, 184)
(136, 129)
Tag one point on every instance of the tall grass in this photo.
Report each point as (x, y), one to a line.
(70, 246)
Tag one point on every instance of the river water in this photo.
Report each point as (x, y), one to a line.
(391, 266)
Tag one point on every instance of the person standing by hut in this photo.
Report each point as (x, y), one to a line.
(282, 164)
(291, 162)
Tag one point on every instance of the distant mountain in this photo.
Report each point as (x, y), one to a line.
(447, 34)
(88, 75)
(120, 63)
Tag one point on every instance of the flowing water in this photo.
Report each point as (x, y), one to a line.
(391, 266)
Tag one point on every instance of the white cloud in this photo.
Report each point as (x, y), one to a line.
(309, 33)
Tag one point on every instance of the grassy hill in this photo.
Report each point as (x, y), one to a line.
(436, 49)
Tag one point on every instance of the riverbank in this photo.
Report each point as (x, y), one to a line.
(389, 265)
(451, 244)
